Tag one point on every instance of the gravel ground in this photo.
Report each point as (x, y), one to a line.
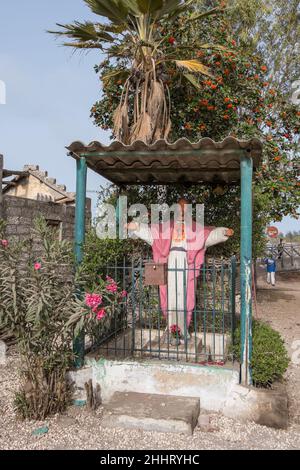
(80, 429)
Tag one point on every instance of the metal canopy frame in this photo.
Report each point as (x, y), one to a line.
(230, 162)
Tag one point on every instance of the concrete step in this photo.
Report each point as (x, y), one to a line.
(151, 412)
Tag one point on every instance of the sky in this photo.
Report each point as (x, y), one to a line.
(49, 91)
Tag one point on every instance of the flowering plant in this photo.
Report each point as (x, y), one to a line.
(175, 331)
(98, 305)
(37, 297)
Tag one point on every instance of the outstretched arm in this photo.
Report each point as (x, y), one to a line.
(218, 235)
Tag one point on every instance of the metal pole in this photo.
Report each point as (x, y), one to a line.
(81, 175)
(121, 215)
(232, 297)
(246, 271)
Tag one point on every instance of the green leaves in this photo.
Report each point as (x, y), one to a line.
(205, 14)
(120, 74)
(115, 10)
(192, 79)
(86, 35)
(270, 357)
(35, 305)
(149, 6)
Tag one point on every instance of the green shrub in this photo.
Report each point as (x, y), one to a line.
(100, 256)
(269, 357)
(37, 298)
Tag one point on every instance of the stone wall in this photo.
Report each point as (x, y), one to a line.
(1, 176)
(19, 214)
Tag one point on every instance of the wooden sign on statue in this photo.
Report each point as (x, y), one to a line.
(155, 274)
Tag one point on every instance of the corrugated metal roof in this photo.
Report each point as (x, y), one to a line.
(169, 163)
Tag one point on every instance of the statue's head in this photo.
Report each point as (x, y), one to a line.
(183, 203)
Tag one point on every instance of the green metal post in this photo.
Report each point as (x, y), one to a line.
(81, 175)
(121, 213)
(232, 297)
(246, 268)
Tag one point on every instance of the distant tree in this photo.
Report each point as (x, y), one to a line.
(272, 28)
(293, 236)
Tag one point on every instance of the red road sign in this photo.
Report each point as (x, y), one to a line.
(272, 232)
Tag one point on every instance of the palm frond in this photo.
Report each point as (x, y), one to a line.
(173, 8)
(205, 14)
(149, 6)
(115, 10)
(83, 45)
(84, 32)
(193, 65)
(217, 47)
(191, 78)
(120, 73)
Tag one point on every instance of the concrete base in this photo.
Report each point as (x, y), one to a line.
(211, 384)
(217, 388)
(263, 406)
(149, 412)
(156, 344)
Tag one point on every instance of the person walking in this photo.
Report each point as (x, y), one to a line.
(271, 270)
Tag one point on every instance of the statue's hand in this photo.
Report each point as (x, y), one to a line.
(229, 232)
(132, 226)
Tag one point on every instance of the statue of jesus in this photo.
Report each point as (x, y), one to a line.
(182, 246)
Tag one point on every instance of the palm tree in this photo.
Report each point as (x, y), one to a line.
(134, 33)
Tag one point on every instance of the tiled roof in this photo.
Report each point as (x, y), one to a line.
(35, 171)
(169, 163)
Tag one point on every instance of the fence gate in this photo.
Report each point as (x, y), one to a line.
(142, 328)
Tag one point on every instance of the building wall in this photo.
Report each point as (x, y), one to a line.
(32, 187)
(19, 214)
(1, 170)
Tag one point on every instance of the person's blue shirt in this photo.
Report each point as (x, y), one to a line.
(271, 265)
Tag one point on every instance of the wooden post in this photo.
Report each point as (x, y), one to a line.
(246, 268)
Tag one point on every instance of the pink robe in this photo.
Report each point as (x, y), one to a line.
(162, 238)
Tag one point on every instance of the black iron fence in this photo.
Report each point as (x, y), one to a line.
(142, 328)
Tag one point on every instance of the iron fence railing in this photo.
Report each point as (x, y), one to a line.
(287, 254)
(139, 328)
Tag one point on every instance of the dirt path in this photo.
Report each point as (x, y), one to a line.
(280, 307)
(80, 429)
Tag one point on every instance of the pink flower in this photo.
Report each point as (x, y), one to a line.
(111, 285)
(124, 294)
(93, 300)
(37, 266)
(4, 243)
(112, 288)
(175, 330)
(101, 314)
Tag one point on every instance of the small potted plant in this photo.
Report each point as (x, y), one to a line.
(175, 335)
